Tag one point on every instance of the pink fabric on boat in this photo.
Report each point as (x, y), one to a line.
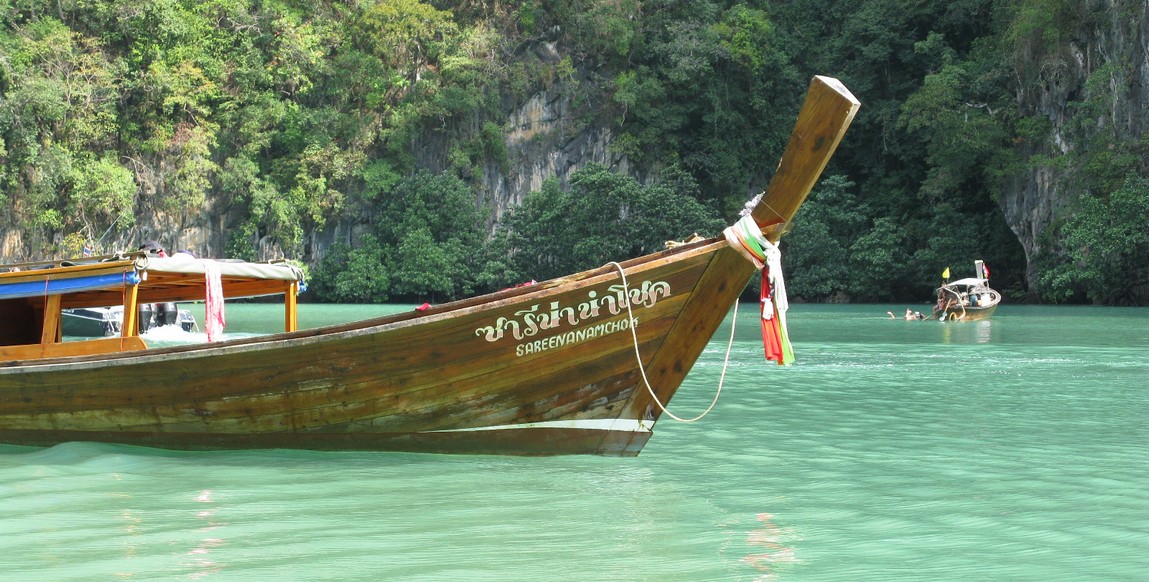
(213, 301)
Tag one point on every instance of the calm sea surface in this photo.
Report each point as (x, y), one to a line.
(1010, 449)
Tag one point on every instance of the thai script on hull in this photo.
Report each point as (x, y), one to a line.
(527, 323)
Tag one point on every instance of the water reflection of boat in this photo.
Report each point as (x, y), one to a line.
(106, 321)
(578, 364)
(968, 299)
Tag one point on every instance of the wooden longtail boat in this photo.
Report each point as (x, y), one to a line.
(581, 364)
(968, 299)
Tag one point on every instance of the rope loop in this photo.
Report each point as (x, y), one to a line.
(642, 369)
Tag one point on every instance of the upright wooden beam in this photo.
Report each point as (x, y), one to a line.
(290, 318)
(130, 325)
(826, 113)
(50, 334)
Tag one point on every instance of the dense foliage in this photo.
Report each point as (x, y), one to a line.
(1107, 243)
(283, 117)
(604, 216)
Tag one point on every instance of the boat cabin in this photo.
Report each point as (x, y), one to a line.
(33, 296)
(970, 292)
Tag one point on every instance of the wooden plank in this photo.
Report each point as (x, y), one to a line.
(196, 291)
(65, 349)
(411, 358)
(173, 290)
(50, 333)
(826, 114)
(717, 291)
(69, 272)
(130, 326)
(290, 316)
(535, 442)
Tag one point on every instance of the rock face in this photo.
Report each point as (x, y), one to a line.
(542, 140)
(1112, 40)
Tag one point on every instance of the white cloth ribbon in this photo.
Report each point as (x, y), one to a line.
(771, 259)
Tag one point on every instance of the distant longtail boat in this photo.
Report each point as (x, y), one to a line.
(968, 299)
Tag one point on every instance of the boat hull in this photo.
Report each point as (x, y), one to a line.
(539, 441)
(549, 369)
(969, 314)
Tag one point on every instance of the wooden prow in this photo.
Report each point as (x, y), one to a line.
(825, 115)
(827, 112)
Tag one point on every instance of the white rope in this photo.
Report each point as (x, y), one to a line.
(642, 369)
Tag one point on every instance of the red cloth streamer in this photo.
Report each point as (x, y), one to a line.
(771, 330)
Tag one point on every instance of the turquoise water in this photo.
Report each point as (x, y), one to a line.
(1011, 449)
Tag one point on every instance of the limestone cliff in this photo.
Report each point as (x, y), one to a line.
(1111, 40)
(542, 140)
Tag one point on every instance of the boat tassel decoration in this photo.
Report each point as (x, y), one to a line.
(746, 237)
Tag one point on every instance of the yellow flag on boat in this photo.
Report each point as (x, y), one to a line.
(946, 273)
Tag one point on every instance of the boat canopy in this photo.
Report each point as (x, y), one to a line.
(21, 289)
(177, 278)
(967, 282)
(34, 295)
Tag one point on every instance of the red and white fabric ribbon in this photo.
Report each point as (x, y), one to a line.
(746, 237)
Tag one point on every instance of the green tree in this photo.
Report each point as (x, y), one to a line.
(535, 230)
(664, 213)
(1107, 247)
(102, 195)
(878, 262)
(437, 232)
(407, 35)
(57, 106)
(607, 30)
(605, 216)
(353, 275)
(815, 253)
(288, 116)
(423, 268)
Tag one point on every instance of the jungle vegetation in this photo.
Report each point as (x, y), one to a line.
(294, 113)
